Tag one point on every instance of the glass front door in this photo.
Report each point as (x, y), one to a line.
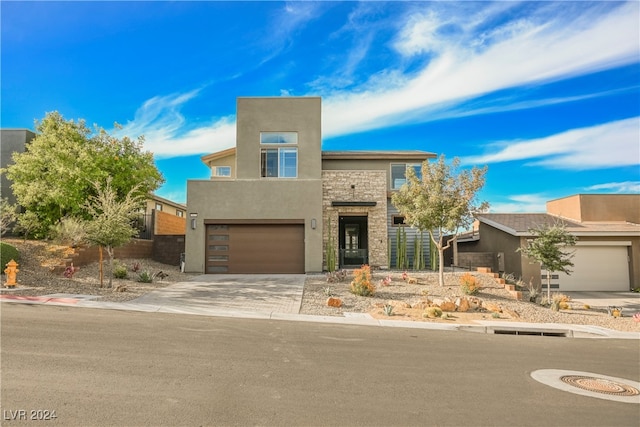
(353, 241)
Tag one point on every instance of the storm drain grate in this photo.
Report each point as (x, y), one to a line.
(539, 333)
(600, 385)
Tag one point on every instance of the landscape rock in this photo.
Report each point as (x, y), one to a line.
(463, 305)
(490, 306)
(448, 306)
(334, 302)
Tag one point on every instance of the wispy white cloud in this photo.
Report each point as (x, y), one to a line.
(465, 55)
(167, 134)
(632, 187)
(608, 145)
(521, 203)
(520, 52)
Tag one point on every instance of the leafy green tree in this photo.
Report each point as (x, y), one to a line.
(549, 248)
(8, 215)
(442, 201)
(54, 176)
(110, 225)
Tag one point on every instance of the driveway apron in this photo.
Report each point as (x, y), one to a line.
(255, 293)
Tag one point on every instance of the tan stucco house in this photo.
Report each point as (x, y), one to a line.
(270, 199)
(606, 256)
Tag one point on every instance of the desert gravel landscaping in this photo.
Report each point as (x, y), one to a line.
(409, 300)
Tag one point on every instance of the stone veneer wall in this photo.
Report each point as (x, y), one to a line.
(369, 186)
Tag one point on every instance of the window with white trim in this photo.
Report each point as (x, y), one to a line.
(399, 173)
(281, 161)
(221, 171)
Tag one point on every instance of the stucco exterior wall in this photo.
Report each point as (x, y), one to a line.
(498, 242)
(368, 186)
(597, 207)
(282, 114)
(254, 200)
(224, 161)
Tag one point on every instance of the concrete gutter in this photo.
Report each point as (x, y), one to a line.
(359, 319)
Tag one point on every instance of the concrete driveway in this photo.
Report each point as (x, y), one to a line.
(246, 293)
(628, 301)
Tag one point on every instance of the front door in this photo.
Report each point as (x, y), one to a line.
(353, 241)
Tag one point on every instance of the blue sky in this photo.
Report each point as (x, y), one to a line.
(547, 94)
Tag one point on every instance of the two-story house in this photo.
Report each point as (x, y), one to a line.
(273, 201)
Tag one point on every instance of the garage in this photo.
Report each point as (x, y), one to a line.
(255, 248)
(597, 268)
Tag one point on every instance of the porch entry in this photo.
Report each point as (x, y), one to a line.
(353, 241)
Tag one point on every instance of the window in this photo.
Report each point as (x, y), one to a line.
(397, 220)
(278, 137)
(159, 207)
(179, 213)
(281, 162)
(221, 171)
(399, 173)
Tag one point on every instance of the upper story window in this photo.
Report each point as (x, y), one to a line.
(399, 173)
(158, 207)
(278, 137)
(179, 213)
(221, 171)
(280, 162)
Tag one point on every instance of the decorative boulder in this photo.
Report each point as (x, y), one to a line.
(448, 306)
(463, 305)
(334, 302)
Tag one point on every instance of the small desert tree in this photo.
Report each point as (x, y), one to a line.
(549, 248)
(110, 224)
(442, 201)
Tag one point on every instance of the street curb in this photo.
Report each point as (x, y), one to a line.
(486, 327)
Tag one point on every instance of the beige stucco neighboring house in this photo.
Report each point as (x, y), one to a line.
(606, 256)
(269, 202)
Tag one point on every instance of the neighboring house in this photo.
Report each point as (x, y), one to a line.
(160, 204)
(268, 204)
(11, 141)
(606, 256)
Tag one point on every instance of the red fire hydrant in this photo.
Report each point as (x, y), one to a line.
(12, 272)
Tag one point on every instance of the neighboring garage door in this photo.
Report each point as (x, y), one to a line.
(597, 268)
(255, 248)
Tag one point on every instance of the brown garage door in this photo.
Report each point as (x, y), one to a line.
(255, 248)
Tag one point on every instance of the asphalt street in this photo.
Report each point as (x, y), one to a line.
(112, 368)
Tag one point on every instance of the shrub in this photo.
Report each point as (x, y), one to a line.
(120, 271)
(336, 276)
(361, 283)
(70, 271)
(8, 253)
(388, 309)
(432, 312)
(145, 277)
(469, 284)
(559, 301)
(69, 231)
(135, 267)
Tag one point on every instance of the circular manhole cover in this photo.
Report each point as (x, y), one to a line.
(590, 384)
(600, 385)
